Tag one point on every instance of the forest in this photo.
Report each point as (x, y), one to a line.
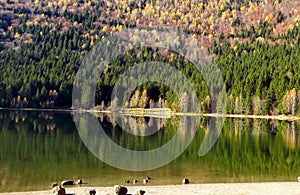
(255, 44)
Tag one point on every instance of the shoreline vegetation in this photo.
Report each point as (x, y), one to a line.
(162, 113)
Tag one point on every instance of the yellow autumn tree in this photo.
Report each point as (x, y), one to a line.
(290, 101)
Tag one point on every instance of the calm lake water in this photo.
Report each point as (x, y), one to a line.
(38, 148)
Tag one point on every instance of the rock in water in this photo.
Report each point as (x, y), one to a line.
(134, 181)
(185, 181)
(78, 181)
(139, 192)
(145, 181)
(58, 190)
(55, 189)
(53, 185)
(90, 191)
(127, 181)
(67, 182)
(120, 190)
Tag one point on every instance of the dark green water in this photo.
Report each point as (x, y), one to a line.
(37, 148)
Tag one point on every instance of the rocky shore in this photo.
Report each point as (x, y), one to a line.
(274, 188)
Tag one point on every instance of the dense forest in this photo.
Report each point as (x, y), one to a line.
(254, 43)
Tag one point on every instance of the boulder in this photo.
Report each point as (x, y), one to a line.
(135, 181)
(120, 190)
(185, 181)
(58, 190)
(90, 191)
(53, 185)
(145, 181)
(139, 192)
(67, 182)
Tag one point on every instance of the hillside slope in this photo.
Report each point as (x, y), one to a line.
(255, 44)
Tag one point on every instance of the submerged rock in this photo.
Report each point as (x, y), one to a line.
(58, 190)
(67, 182)
(90, 191)
(185, 181)
(120, 190)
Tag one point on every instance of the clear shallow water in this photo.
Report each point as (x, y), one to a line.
(37, 148)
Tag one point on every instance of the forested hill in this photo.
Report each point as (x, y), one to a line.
(256, 44)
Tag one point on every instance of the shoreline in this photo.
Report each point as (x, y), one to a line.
(161, 113)
(274, 188)
(168, 113)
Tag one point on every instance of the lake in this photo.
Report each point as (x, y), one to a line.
(38, 148)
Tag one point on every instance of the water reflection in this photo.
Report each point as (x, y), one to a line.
(37, 148)
(129, 150)
(290, 134)
(140, 126)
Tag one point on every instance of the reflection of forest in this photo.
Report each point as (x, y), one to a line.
(140, 125)
(247, 150)
(262, 128)
(36, 121)
(290, 135)
(134, 125)
(19, 115)
(145, 126)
